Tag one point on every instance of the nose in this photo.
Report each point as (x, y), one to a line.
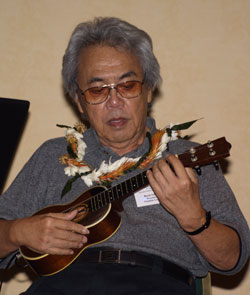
(114, 98)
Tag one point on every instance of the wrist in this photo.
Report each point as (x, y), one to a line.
(204, 225)
(13, 234)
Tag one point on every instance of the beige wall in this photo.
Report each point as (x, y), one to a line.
(203, 47)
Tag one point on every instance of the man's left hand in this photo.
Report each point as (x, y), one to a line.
(177, 189)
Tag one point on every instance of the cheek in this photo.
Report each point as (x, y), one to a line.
(139, 111)
(95, 115)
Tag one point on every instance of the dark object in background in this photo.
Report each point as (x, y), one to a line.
(13, 115)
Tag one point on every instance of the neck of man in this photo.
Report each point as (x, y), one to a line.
(122, 148)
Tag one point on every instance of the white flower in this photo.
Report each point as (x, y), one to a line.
(90, 178)
(87, 180)
(71, 170)
(117, 164)
(164, 140)
(174, 133)
(73, 132)
(83, 169)
(104, 167)
(81, 146)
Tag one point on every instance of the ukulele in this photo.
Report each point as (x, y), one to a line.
(99, 207)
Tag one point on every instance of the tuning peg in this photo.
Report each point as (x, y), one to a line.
(210, 144)
(216, 165)
(193, 156)
(198, 170)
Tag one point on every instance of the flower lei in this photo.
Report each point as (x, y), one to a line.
(107, 172)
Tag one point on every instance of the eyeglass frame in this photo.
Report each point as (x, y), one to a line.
(109, 86)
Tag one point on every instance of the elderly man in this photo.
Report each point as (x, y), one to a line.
(190, 225)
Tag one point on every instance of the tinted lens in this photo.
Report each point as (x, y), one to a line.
(130, 89)
(96, 94)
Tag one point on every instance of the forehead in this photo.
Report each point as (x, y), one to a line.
(107, 63)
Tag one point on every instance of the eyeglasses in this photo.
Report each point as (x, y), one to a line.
(96, 95)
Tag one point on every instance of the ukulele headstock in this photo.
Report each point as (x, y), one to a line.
(205, 154)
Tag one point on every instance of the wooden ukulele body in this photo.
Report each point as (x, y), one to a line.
(102, 224)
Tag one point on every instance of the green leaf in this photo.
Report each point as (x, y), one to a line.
(182, 126)
(169, 131)
(62, 126)
(68, 184)
(66, 188)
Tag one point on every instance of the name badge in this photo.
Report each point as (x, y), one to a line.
(146, 197)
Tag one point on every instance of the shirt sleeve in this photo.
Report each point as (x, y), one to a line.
(217, 197)
(39, 182)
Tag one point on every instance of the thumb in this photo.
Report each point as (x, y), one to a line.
(70, 215)
(66, 216)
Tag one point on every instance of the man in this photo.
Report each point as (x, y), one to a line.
(110, 72)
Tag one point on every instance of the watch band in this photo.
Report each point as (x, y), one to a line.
(204, 226)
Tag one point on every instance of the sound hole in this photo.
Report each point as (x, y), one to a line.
(82, 211)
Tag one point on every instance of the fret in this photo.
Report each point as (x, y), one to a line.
(119, 191)
(129, 186)
(144, 177)
(94, 203)
(104, 201)
(101, 200)
(124, 188)
(91, 205)
(137, 184)
(111, 195)
(114, 189)
(134, 183)
(140, 180)
(106, 196)
(98, 203)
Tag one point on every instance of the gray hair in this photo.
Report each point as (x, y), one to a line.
(115, 33)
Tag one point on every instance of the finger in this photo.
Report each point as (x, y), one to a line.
(66, 216)
(154, 183)
(63, 221)
(177, 165)
(70, 236)
(167, 171)
(191, 174)
(163, 172)
(68, 244)
(59, 251)
(60, 240)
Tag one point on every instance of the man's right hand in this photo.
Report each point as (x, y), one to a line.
(52, 233)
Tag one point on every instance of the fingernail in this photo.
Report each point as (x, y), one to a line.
(85, 231)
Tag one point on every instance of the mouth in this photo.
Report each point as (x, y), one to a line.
(117, 122)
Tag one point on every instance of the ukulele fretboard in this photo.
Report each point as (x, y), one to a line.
(123, 189)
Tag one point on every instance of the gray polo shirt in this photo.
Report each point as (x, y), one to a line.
(149, 229)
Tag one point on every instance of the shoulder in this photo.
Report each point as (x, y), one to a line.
(54, 146)
(54, 142)
(180, 145)
(47, 152)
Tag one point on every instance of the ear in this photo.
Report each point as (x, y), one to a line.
(78, 104)
(149, 95)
